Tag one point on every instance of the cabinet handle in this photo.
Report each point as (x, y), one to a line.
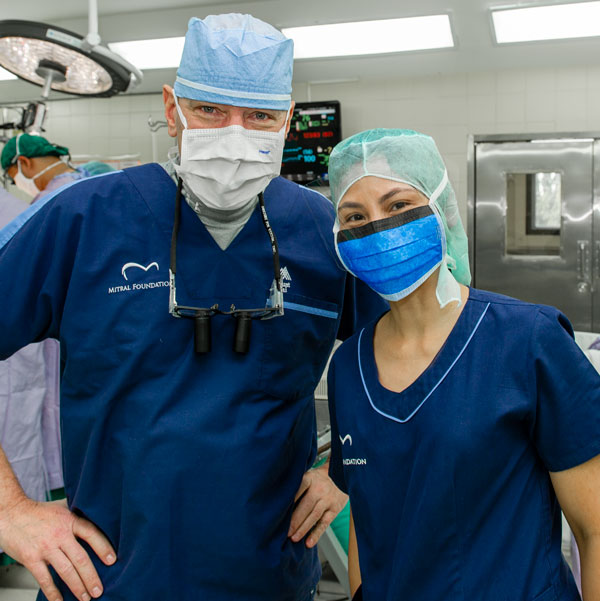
(584, 270)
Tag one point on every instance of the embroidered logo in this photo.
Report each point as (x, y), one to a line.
(352, 460)
(138, 266)
(130, 286)
(361, 461)
(286, 279)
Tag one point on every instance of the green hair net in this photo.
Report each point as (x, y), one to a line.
(31, 146)
(410, 157)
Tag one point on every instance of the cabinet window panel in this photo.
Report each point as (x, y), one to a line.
(533, 213)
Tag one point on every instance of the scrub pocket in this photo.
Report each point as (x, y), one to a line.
(297, 346)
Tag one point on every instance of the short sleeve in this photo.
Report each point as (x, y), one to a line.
(37, 253)
(361, 306)
(336, 468)
(566, 431)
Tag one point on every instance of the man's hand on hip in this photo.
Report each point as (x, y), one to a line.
(41, 534)
(320, 500)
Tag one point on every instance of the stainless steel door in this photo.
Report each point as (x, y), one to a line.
(533, 223)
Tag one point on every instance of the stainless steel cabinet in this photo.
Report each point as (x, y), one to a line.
(533, 221)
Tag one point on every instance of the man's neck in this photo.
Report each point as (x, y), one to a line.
(44, 179)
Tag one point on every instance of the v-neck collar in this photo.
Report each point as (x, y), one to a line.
(204, 269)
(402, 406)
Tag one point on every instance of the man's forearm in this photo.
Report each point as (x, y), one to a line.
(11, 492)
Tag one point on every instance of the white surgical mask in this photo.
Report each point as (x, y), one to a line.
(227, 167)
(27, 184)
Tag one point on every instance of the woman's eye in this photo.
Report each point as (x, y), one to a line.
(399, 205)
(355, 217)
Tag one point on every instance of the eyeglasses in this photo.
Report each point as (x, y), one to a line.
(243, 317)
(7, 180)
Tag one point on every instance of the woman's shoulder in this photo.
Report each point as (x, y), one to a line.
(516, 313)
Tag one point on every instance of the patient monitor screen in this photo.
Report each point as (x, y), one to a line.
(314, 131)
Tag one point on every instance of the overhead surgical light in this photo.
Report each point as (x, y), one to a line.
(41, 53)
(58, 59)
(558, 21)
(371, 37)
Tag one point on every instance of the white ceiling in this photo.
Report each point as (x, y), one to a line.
(475, 49)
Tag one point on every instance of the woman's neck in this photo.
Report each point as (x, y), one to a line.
(419, 314)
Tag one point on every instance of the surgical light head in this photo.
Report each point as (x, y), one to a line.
(410, 157)
(237, 60)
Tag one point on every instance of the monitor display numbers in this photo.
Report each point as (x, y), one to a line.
(314, 131)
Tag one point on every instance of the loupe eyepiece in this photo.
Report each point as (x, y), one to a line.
(243, 328)
(202, 333)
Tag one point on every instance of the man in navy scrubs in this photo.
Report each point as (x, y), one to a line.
(187, 443)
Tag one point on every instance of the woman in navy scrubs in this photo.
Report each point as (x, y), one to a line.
(461, 418)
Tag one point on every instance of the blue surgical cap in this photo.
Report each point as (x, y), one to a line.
(238, 60)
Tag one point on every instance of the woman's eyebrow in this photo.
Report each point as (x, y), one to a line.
(347, 204)
(392, 193)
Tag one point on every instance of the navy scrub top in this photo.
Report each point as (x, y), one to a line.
(188, 463)
(448, 480)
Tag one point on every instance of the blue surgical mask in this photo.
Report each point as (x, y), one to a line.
(394, 256)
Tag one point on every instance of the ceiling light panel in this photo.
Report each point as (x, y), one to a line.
(559, 21)
(162, 53)
(6, 75)
(371, 37)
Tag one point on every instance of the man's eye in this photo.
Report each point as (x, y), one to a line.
(208, 109)
(262, 116)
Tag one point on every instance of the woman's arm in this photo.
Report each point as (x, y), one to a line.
(578, 492)
(353, 567)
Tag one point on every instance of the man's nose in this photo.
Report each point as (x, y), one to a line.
(235, 117)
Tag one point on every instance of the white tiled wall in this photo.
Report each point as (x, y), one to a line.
(108, 127)
(448, 107)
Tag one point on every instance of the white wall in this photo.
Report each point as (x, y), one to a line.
(448, 107)
(108, 127)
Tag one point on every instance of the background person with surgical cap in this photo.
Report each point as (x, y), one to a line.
(477, 412)
(38, 167)
(187, 404)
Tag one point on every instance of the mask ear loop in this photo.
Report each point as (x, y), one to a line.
(447, 289)
(180, 112)
(17, 154)
(288, 117)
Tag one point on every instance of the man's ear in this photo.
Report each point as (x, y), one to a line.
(27, 166)
(289, 118)
(170, 110)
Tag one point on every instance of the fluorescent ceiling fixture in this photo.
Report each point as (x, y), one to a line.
(162, 53)
(371, 37)
(580, 20)
(6, 75)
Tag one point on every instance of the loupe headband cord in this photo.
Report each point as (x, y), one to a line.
(273, 240)
(176, 221)
(265, 219)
